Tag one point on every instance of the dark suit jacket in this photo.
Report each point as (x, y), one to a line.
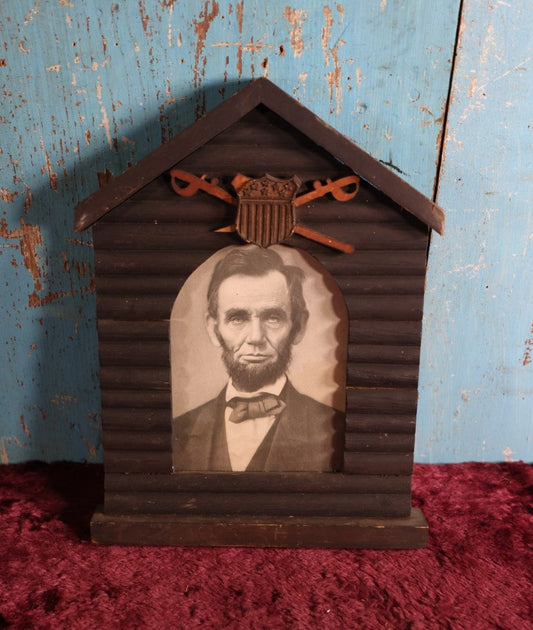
(308, 436)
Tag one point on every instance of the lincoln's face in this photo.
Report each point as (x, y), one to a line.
(254, 327)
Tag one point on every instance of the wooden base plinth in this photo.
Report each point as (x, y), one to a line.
(258, 531)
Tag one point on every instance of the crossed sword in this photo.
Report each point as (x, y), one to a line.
(193, 184)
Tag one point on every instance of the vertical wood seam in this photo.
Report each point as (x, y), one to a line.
(442, 147)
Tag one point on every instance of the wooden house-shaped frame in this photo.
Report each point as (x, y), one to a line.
(148, 240)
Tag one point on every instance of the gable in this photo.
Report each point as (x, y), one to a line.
(263, 142)
(219, 122)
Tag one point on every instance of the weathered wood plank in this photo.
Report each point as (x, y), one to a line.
(153, 440)
(180, 263)
(365, 463)
(143, 418)
(158, 378)
(161, 236)
(476, 392)
(385, 307)
(386, 262)
(159, 306)
(133, 285)
(365, 82)
(382, 332)
(165, 206)
(374, 463)
(360, 331)
(159, 203)
(135, 352)
(383, 353)
(125, 376)
(294, 504)
(261, 127)
(381, 400)
(381, 285)
(276, 160)
(134, 377)
(381, 375)
(149, 352)
(408, 532)
(158, 419)
(136, 419)
(135, 398)
(138, 461)
(379, 442)
(170, 284)
(147, 440)
(261, 483)
(135, 262)
(136, 307)
(111, 329)
(383, 423)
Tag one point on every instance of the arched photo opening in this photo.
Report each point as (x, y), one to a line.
(258, 334)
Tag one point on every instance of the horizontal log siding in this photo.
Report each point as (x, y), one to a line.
(380, 333)
(154, 352)
(154, 204)
(272, 503)
(155, 439)
(161, 284)
(147, 247)
(326, 494)
(158, 306)
(178, 236)
(320, 483)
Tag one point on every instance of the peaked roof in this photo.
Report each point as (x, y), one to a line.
(260, 91)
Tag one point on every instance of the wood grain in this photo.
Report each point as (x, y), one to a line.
(146, 79)
(145, 250)
(242, 503)
(320, 483)
(410, 532)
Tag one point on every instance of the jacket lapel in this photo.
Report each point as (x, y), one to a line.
(291, 435)
(203, 435)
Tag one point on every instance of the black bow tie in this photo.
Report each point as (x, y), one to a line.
(257, 407)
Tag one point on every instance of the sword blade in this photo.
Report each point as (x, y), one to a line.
(336, 188)
(195, 183)
(346, 248)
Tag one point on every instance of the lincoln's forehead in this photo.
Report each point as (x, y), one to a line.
(242, 291)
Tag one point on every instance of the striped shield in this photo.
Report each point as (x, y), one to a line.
(266, 210)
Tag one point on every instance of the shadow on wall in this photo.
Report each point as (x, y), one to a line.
(50, 395)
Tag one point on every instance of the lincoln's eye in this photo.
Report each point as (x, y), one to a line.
(274, 318)
(237, 317)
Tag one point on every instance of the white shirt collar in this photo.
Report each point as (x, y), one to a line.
(274, 388)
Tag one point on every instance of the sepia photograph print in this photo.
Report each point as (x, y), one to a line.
(258, 360)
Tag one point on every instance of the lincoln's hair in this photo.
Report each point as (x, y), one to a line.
(258, 262)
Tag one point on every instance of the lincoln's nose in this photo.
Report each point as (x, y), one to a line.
(256, 333)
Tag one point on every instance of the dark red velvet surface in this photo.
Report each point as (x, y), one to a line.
(476, 572)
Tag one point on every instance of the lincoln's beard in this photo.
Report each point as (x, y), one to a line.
(252, 377)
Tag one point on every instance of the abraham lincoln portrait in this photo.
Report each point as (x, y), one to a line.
(258, 343)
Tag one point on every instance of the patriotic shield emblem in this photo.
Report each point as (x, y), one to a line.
(266, 210)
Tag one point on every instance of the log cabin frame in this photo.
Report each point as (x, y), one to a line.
(148, 241)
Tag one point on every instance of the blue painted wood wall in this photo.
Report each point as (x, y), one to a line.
(93, 87)
(476, 389)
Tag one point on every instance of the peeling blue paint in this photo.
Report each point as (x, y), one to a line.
(477, 382)
(96, 86)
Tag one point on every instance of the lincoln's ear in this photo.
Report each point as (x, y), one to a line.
(303, 317)
(211, 324)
